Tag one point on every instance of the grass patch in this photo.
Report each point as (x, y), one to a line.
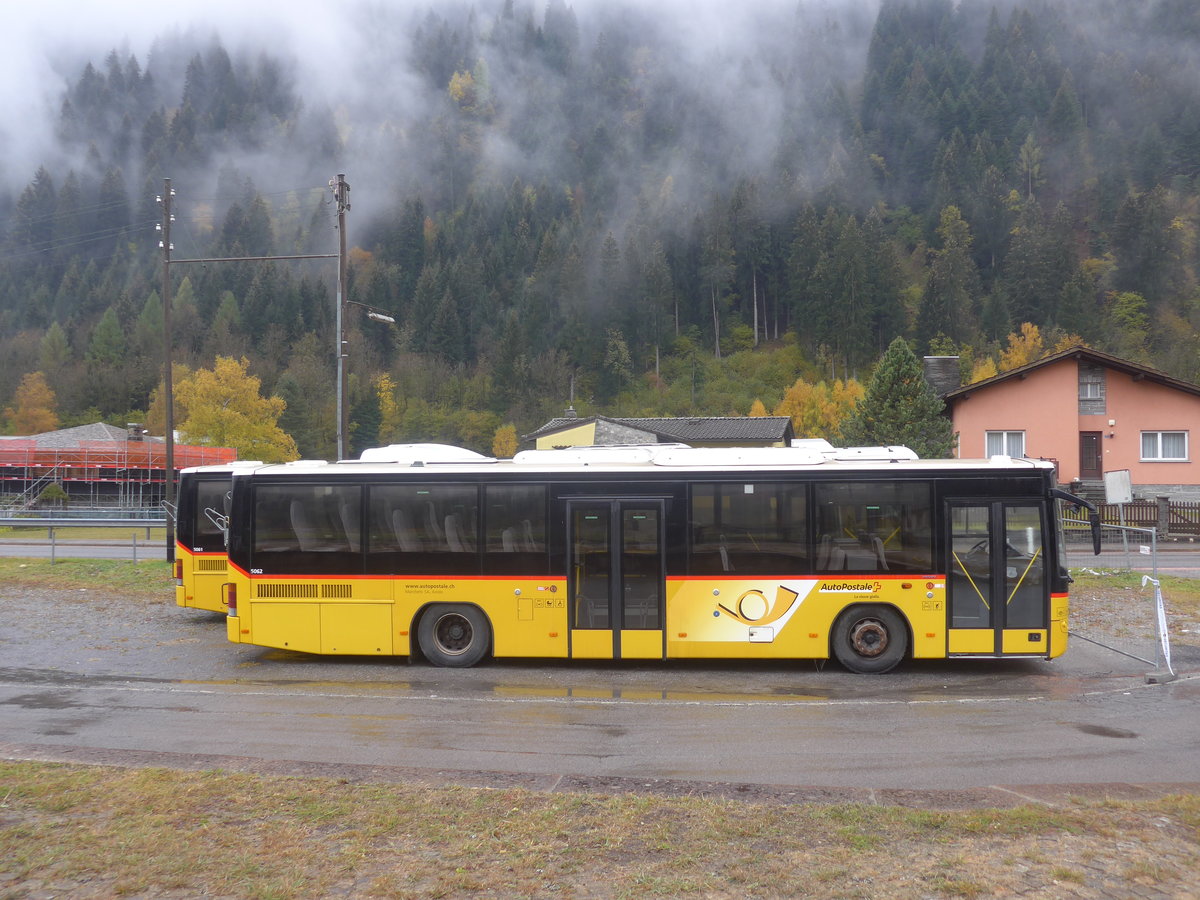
(85, 533)
(110, 831)
(1181, 595)
(147, 580)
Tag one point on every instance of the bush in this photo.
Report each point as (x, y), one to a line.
(53, 495)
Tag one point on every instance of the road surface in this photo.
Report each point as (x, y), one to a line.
(94, 678)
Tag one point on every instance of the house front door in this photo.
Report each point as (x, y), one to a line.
(1090, 464)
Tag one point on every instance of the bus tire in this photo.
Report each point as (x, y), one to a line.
(870, 639)
(454, 635)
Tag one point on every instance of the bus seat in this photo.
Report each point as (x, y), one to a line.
(508, 539)
(406, 538)
(531, 545)
(726, 565)
(453, 534)
(880, 556)
(350, 525)
(305, 533)
(837, 559)
(458, 542)
(433, 531)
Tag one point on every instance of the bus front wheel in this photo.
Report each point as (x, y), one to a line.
(870, 639)
(453, 635)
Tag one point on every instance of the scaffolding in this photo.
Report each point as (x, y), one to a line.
(97, 473)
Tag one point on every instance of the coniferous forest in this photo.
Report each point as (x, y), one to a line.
(640, 209)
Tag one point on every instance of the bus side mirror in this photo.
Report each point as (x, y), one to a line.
(1094, 521)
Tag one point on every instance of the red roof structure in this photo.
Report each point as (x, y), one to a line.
(98, 464)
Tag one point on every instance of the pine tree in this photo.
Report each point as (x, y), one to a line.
(900, 408)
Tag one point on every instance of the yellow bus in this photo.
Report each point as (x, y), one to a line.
(869, 556)
(201, 559)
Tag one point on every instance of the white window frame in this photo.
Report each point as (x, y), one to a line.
(1006, 437)
(1157, 437)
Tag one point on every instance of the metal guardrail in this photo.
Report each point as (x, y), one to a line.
(68, 522)
(51, 524)
(118, 513)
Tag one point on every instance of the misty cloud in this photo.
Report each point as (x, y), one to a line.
(351, 65)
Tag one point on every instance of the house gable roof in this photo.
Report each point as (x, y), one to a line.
(71, 437)
(1084, 354)
(686, 429)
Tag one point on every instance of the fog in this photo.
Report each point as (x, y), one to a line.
(349, 63)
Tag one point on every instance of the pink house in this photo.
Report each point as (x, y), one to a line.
(1091, 413)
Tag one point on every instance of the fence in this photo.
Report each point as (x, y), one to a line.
(1127, 617)
(1169, 518)
(54, 546)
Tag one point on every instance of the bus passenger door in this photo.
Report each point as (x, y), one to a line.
(616, 581)
(998, 591)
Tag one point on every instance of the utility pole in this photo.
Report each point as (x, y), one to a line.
(341, 192)
(168, 388)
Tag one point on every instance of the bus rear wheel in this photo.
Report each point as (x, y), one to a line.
(453, 635)
(870, 639)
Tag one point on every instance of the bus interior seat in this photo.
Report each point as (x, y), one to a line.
(837, 560)
(406, 538)
(306, 535)
(433, 531)
(881, 562)
(726, 565)
(350, 525)
(531, 545)
(508, 539)
(458, 541)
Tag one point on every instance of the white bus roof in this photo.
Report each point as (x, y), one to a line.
(652, 457)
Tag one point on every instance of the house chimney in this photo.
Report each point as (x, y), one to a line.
(570, 413)
(942, 374)
(134, 431)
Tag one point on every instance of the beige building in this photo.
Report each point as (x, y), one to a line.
(696, 431)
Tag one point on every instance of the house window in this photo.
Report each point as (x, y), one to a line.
(1005, 443)
(1091, 390)
(1164, 445)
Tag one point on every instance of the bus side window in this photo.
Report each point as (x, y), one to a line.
(757, 528)
(515, 529)
(423, 527)
(874, 527)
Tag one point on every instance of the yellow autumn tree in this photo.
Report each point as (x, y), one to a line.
(389, 409)
(32, 411)
(156, 414)
(1023, 348)
(504, 444)
(983, 369)
(225, 409)
(1067, 341)
(817, 410)
(757, 408)
(462, 90)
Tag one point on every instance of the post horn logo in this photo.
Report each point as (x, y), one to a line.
(753, 607)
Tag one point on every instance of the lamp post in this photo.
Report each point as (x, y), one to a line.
(341, 192)
(168, 388)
